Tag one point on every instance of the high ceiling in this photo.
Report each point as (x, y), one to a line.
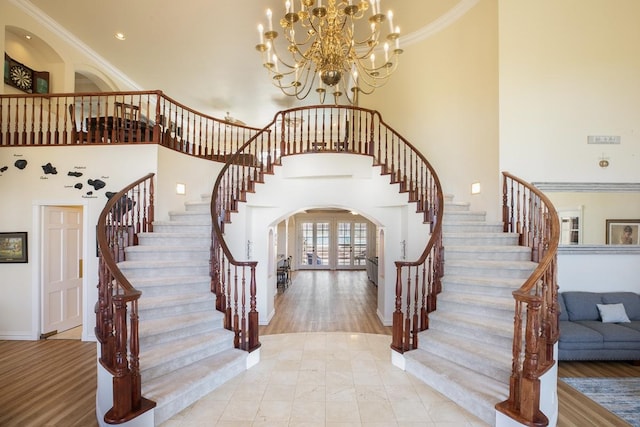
(202, 53)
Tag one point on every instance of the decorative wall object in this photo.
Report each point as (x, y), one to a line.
(24, 78)
(13, 247)
(623, 231)
(20, 164)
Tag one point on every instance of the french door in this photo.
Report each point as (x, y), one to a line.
(331, 245)
(352, 245)
(316, 239)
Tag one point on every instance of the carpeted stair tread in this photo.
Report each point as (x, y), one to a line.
(177, 390)
(161, 264)
(499, 282)
(470, 389)
(197, 220)
(494, 264)
(142, 282)
(156, 302)
(161, 248)
(447, 320)
(471, 353)
(160, 359)
(493, 301)
(151, 327)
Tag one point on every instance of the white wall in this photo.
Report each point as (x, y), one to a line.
(568, 70)
(444, 99)
(24, 191)
(599, 269)
(197, 174)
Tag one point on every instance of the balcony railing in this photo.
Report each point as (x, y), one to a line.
(117, 118)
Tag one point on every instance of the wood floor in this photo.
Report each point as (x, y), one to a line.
(327, 301)
(53, 382)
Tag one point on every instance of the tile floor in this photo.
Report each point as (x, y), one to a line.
(324, 379)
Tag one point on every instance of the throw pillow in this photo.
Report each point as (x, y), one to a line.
(613, 313)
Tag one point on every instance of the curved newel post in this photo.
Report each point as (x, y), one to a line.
(125, 214)
(529, 213)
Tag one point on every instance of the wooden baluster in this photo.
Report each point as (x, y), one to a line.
(122, 378)
(407, 314)
(243, 318)
(416, 305)
(398, 321)
(253, 313)
(236, 317)
(136, 381)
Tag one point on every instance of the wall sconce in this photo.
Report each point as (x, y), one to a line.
(475, 188)
(181, 189)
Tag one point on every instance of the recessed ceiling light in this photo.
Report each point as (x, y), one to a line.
(121, 36)
(27, 36)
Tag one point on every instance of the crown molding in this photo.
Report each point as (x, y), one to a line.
(589, 187)
(51, 25)
(439, 24)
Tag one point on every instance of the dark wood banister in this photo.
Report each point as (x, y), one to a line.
(528, 212)
(118, 226)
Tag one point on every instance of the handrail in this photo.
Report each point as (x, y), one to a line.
(529, 213)
(94, 118)
(126, 213)
(326, 129)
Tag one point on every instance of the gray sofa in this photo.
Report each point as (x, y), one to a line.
(585, 336)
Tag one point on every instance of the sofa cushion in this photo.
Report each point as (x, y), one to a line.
(575, 336)
(630, 300)
(562, 308)
(582, 305)
(614, 336)
(613, 313)
(634, 324)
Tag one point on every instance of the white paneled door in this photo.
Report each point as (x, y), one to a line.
(61, 268)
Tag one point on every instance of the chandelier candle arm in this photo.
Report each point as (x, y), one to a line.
(321, 43)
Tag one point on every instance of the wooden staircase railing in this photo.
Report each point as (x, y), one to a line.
(326, 129)
(529, 213)
(117, 118)
(125, 214)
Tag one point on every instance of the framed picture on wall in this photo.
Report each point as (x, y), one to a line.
(622, 231)
(13, 247)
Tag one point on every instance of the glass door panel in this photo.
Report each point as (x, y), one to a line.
(315, 244)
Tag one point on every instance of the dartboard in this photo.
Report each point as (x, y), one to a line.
(21, 77)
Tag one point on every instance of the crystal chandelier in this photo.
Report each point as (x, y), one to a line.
(327, 51)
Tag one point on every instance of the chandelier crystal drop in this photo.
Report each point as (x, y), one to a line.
(323, 48)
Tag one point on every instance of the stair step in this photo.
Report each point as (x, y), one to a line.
(166, 253)
(154, 307)
(199, 206)
(479, 239)
(451, 206)
(496, 252)
(163, 358)
(449, 226)
(177, 390)
(489, 268)
(480, 305)
(458, 216)
(164, 268)
(189, 216)
(472, 390)
(178, 239)
(493, 330)
(155, 331)
(481, 285)
(154, 286)
(200, 226)
(469, 353)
